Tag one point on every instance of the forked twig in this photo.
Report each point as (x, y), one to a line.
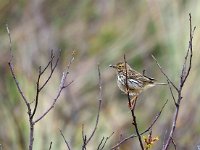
(38, 89)
(173, 142)
(86, 141)
(155, 119)
(103, 144)
(145, 131)
(184, 75)
(159, 66)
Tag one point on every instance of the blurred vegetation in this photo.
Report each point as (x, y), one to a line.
(101, 32)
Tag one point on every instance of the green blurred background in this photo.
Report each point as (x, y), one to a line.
(101, 31)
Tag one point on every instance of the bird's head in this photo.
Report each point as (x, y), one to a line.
(120, 66)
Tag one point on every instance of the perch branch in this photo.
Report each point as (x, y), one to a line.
(132, 110)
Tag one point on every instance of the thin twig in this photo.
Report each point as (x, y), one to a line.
(10, 63)
(54, 101)
(50, 145)
(67, 144)
(100, 101)
(10, 43)
(49, 63)
(159, 66)
(82, 131)
(173, 142)
(155, 119)
(107, 138)
(17, 84)
(84, 142)
(148, 129)
(61, 87)
(37, 93)
(172, 94)
(101, 142)
(38, 88)
(133, 109)
(184, 75)
(87, 140)
(122, 141)
(12, 68)
(52, 69)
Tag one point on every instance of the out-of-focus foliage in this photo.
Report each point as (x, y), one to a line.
(101, 31)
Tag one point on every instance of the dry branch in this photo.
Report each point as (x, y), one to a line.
(85, 139)
(145, 131)
(133, 109)
(31, 112)
(186, 68)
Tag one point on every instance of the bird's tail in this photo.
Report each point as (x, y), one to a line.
(157, 83)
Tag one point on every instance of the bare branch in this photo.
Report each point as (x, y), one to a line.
(107, 138)
(101, 142)
(65, 140)
(12, 68)
(184, 75)
(155, 119)
(100, 101)
(61, 87)
(31, 123)
(173, 142)
(172, 94)
(87, 140)
(133, 109)
(10, 43)
(124, 140)
(52, 69)
(37, 93)
(54, 101)
(148, 129)
(17, 84)
(49, 63)
(84, 142)
(164, 73)
(38, 88)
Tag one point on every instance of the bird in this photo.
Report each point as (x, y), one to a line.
(135, 83)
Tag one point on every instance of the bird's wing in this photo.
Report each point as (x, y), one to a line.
(141, 77)
(133, 82)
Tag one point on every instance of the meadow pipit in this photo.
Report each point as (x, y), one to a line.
(136, 82)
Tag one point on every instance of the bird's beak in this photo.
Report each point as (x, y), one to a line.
(113, 66)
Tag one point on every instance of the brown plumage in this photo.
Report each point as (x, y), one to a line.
(136, 81)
